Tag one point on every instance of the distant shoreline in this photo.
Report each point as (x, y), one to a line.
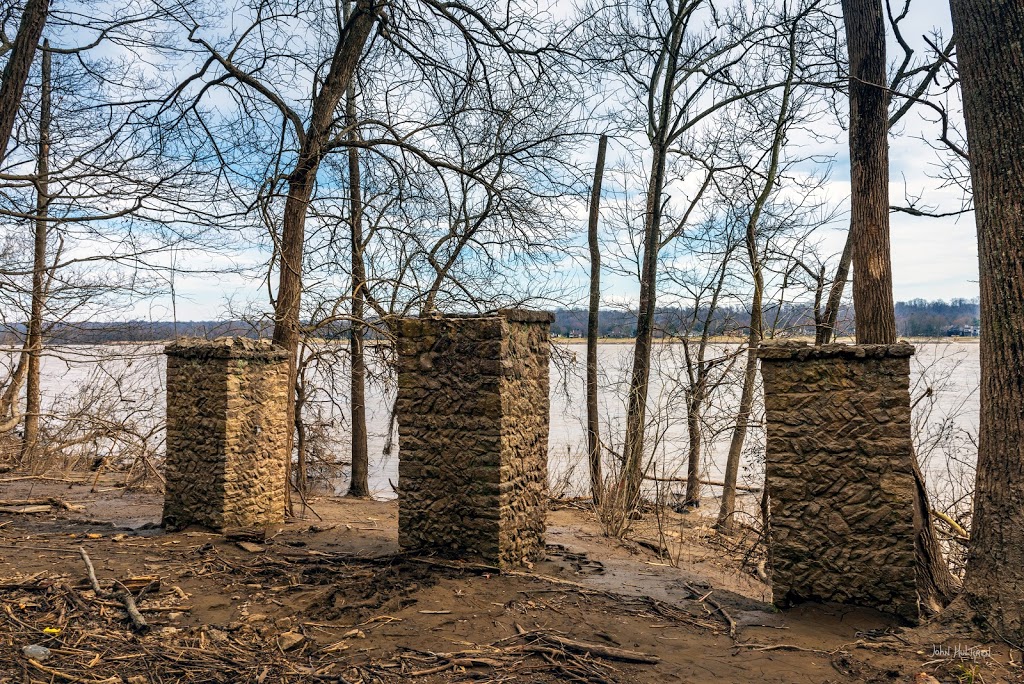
(557, 340)
(742, 339)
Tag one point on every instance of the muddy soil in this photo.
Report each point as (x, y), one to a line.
(329, 598)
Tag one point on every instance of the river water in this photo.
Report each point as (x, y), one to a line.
(126, 383)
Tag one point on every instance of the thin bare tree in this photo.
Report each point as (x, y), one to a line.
(593, 318)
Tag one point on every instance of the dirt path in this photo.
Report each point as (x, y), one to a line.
(329, 599)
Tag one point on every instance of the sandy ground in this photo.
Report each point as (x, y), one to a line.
(328, 598)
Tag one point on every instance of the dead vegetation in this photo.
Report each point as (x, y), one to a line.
(332, 601)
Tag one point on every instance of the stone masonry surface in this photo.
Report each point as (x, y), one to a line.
(840, 474)
(226, 433)
(473, 434)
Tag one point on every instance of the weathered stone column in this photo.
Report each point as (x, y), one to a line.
(226, 433)
(840, 474)
(473, 435)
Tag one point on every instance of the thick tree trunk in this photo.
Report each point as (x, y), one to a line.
(360, 481)
(593, 313)
(991, 60)
(33, 401)
(16, 71)
(287, 307)
(875, 316)
(869, 173)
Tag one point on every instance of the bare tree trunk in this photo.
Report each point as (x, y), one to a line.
(593, 314)
(695, 437)
(991, 60)
(35, 323)
(869, 172)
(826, 329)
(10, 413)
(936, 586)
(16, 71)
(727, 511)
(636, 408)
(287, 308)
(875, 315)
(360, 481)
(301, 465)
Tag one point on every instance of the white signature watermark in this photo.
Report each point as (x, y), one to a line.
(961, 652)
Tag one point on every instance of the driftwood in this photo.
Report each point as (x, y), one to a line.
(25, 510)
(706, 598)
(123, 595)
(600, 650)
(138, 622)
(710, 483)
(43, 505)
(92, 571)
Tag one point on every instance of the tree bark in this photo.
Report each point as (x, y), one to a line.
(636, 407)
(695, 437)
(991, 61)
(869, 172)
(16, 71)
(33, 400)
(826, 330)
(727, 510)
(360, 481)
(287, 307)
(875, 316)
(593, 313)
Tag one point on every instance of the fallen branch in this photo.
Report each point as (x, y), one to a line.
(139, 623)
(609, 652)
(46, 501)
(70, 677)
(26, 510)
(714, 604)
(710, 483)
(92, 571)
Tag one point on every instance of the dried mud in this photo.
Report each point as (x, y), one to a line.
(329, 598)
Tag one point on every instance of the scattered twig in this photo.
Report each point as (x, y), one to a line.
(92, 571)
(138, 622)
(706, 598)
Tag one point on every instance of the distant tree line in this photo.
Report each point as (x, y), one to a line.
(914, 318)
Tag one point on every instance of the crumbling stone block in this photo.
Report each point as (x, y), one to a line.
(840, 474)
(473, 435)
(227, 405)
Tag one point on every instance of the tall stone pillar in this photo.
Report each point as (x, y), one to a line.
(226, 433)
(840, 474)
(473, 435)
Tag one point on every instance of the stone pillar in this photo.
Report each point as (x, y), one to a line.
(473, 435)
(840, 474)
(226, 433)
